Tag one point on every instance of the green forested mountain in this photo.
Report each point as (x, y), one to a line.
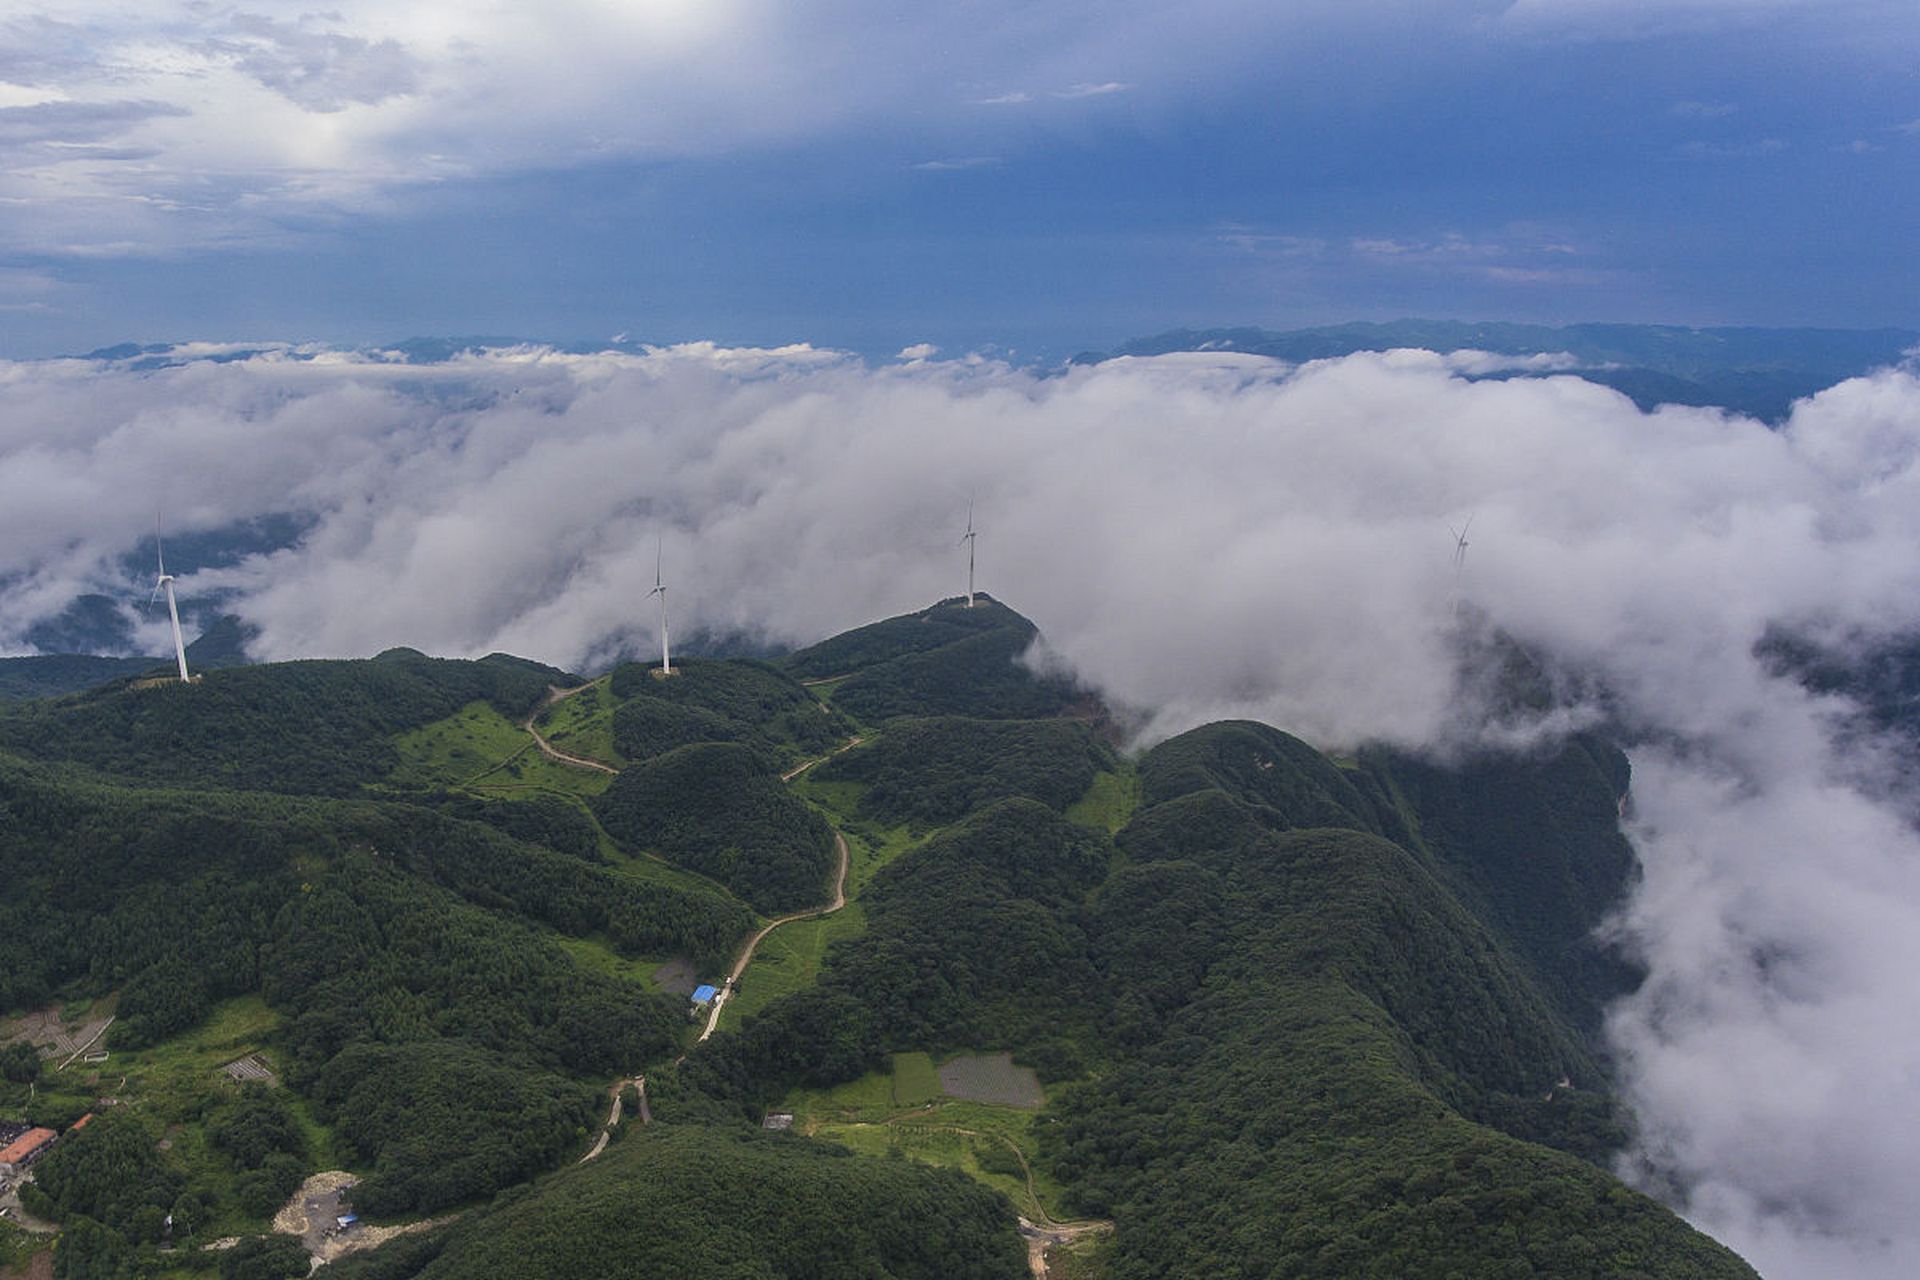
(736, 700)
(719, 808)
(691, 1199)
(1287, 1016)
(947, 660)
(939, 769)
(312, 727)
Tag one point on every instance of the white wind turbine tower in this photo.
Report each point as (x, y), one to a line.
(968, 538)
(1459, 559)
(660, 589)
(165, 583)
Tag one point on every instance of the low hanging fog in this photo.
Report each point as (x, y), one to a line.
(1199, 536)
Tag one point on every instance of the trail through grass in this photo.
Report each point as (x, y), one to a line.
(482, 752)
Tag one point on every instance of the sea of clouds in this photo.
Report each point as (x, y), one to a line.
(1200, 536)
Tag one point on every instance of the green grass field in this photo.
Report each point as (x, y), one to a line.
(641, 866)
(481, 751)
(597, 955)
(788, 961)
(172, 1083)
(1109, 802)
(824, 689)
(874, 1115)
(915, 1082)
(582, 724)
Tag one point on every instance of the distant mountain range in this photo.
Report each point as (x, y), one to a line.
(1759, 372)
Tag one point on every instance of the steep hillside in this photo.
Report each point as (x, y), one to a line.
(946, 660)
(939, 769)
(685, 1200)
(735, 700)
(311, 727)
(1269, 1014)
(1312, 967)
(720, 809)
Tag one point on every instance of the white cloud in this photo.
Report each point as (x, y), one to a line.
(1704, 110)
(1734, 150)
(1296, 521)
(958, 163)
(1087, 89)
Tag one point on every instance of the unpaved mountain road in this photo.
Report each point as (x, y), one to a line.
(805, 765)
(746, 952)
(618, 1090)
(547, 749)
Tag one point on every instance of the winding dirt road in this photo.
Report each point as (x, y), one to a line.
(547, 749)
(805, 765)
(746, 952)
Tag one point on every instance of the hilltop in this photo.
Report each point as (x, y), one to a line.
(1268, 1013)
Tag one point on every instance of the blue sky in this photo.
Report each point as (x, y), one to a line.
(1034, 177)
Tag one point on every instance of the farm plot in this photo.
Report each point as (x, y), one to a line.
(992, 1078)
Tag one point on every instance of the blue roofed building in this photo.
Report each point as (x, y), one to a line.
(704, 994)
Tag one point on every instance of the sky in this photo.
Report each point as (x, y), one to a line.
(1024, 178)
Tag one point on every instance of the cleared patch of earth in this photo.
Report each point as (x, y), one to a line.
(992, 1077)
(314, 1215)
(55, 1035)
(677, 977)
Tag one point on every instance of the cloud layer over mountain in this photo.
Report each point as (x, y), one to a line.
(1201, 535)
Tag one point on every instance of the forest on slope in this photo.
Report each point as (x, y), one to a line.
(1295, 1017)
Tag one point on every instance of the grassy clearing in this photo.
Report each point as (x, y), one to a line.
(915, 1082)
(871, 850)
(1082, 1259)
(481, 751)
(596, 954)
(789, 960)
(582, 723)
(173, 1083)
(992, 1144)
(1109, 803)
(825, 689)
(659, 870)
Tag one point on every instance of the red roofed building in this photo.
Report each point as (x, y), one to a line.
(17, 1154)
(80, 1124)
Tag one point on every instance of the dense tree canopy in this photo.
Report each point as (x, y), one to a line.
(940, 769)
(721, 810)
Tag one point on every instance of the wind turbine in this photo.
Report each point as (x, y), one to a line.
(165, 583)
(1459, 559)
(660, 589)
(968, 538)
